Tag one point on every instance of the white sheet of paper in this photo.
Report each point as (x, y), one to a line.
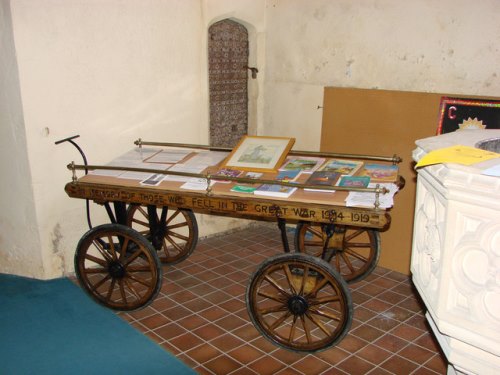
(196, 184)
(367, 199)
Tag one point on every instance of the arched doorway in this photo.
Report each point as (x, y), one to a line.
(228, 82)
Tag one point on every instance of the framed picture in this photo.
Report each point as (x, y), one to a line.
(264, 154)
(460, 113)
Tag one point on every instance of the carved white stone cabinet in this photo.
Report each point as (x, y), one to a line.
(456, 254)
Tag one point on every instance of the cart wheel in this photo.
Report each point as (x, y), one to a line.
(118, 267)
(177, 238)
(358, 255)
(299, 302)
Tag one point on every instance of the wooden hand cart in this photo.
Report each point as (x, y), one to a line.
(298, 300)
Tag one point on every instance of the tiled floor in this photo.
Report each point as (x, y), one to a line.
(201, 317)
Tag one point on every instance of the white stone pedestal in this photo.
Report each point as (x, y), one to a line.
(456, 254)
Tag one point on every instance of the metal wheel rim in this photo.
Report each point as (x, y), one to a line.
(181, 232)
(359, 254)
(289, 279)
(99, 255)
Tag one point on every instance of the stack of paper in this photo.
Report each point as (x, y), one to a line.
(367, 199)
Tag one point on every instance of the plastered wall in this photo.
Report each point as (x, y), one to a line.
(418, 45)
(116, 70)
(19, 235)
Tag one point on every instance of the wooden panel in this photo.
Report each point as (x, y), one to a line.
(383, 122)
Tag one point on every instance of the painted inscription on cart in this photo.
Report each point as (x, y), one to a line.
(228, 205)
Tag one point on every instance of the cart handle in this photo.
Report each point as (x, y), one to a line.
(70, 140)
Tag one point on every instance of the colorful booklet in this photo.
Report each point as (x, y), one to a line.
(354, 181)
(275, 190)
(288, 175)
(323, 178)
(380, 172)
(243, 189)
(344, 167)
(226, 172)
(304, 164)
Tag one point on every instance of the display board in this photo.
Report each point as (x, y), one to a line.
(383, 122)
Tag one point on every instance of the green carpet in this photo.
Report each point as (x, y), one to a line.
(53, 327)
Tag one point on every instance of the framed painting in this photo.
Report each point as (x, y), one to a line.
(259, 153)
(459, 113)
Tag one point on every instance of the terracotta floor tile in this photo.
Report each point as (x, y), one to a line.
(379, 371)
(367, 333)
(154, 321)
(266, 365)
(391, 343)
(245, 354)
(437, 363)
(200, 315)
(186, 341)
(226, 342)
(416, 353)
(355, 365)
(222, 365)
(311, 365)
(209, 331)
(399, 365)
(192, 322)
(374, 354)
(169, 331)
(406, 332)
(203, 353)
(230, 322)
(333, 356)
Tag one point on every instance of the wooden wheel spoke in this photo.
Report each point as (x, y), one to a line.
(140, 222)
(132, 289)
(361, 245)
(323, 300)
(132, 257)
(306, 330)
(174, 215)
(96, 286)
(315, 231)
(318, 287)
(110, 290)
(289, 277)
(356, 255)
(273, 282)
(105, 254)
(133, 269)
(177, 235)
(144, 213)
(293, 327)
(354, 234)
(326, 314)
(279, 321)
(139, 280)
(94, 259)
(123, 250)
(274, 297)
(304, 280)
(317, 243)
(347, 261)
(122, 291)
(173, 243)
(178, 225)
(318, 323)
(96, 270)
(273, 309)
(112, 249)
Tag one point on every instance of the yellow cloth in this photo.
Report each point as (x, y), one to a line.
(456, 154)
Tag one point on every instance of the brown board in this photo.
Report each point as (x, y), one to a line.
(383, 122)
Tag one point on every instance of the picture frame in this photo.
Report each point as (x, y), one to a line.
(259, 153)
(462, 113)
